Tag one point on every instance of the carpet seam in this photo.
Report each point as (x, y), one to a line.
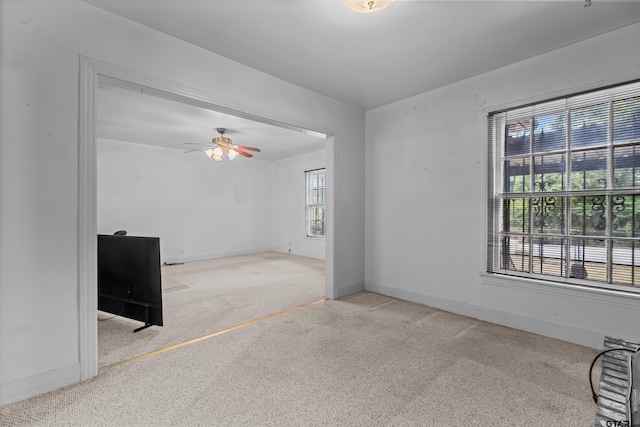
(215, 334)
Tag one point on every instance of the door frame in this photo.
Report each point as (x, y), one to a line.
(91, 73)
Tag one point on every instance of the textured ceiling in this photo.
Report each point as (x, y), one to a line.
(125, 114)
(365, 60)
(368, 60)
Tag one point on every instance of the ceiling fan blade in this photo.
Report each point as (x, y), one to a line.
(191, 151)
(197, 143)
(244, 147)
(242, 153)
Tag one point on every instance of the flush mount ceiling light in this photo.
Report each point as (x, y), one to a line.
(368, 6)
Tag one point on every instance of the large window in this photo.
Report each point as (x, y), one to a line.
(565, 189)
(316, 212)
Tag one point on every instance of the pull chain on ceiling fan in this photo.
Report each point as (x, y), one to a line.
(223, 146)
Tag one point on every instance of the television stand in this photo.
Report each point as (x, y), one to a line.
(146, 325)
(146, 306)
(137, 303)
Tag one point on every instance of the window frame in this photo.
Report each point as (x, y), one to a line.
(498, 194)
(312, 206)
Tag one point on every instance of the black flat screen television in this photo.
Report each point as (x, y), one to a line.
(129, 282)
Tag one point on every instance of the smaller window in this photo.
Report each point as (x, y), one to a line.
(316, 213)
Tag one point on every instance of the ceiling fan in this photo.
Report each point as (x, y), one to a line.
(223, 146)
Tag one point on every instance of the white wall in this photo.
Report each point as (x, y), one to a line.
(426, 203)
(38, 198)
(40, 47)
(413, 250)
(289, 192)
(198, 209)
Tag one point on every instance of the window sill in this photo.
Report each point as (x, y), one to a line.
(314, 237)
(623, 298)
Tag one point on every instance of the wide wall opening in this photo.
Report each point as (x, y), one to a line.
(227, 230)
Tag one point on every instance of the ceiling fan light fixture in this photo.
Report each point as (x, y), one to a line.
(209, 152)
(223, 147)
(216, 154)
(368, 6)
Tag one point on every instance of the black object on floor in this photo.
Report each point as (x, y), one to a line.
(129, 278)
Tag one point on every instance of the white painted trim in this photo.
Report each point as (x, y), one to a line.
(199, 99)
(24, 388)
(91, 71)
(542, 327)
(485, 187)
(350, 289)
(536, 326)
(201, 257)
(329, 248)
(445, 304)
(304, 254)
(87, 223)
(601, 295)
(592, 86)
(486, 110)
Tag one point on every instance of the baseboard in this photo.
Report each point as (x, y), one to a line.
(25, 388)
(536, 326)
(457, 307)
(542, 327)
(202, 257)
(306, 254)
(343, 291)
(298, 253)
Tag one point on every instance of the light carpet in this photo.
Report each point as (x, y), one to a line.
(366, 360)
(206, 296)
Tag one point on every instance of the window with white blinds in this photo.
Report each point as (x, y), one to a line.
(564, 188)
(316, 215)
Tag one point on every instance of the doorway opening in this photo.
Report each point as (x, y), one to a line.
(95, 75)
